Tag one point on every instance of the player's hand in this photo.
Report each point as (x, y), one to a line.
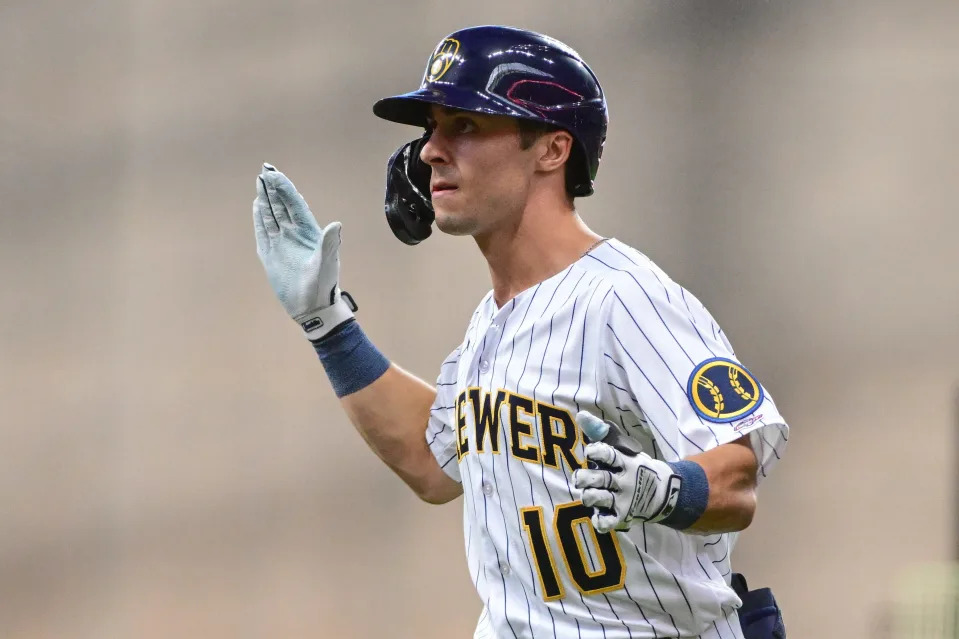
(626, 483)
(301, 259)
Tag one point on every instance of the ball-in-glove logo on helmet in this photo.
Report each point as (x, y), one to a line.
(442, 59)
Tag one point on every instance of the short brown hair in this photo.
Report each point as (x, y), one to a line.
(530, 130)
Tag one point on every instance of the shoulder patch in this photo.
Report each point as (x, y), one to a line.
(722, 390)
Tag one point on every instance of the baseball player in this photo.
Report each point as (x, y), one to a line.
(605, 438)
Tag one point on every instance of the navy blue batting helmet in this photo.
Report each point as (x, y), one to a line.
(506, 71)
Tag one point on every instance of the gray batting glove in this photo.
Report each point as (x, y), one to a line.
(301, 259)
(626, 483)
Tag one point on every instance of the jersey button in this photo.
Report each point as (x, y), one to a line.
(504, 568)
(487, 488)
(484, 366)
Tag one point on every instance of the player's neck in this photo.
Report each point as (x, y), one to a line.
(546, 240)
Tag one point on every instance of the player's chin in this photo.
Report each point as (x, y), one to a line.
(453, 222)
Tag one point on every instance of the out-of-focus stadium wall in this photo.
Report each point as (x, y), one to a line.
(174, 463)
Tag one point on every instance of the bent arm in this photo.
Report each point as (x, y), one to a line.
(391, 415)
(731, 473)
(390, 407)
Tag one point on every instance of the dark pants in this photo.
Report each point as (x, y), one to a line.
(759, 617)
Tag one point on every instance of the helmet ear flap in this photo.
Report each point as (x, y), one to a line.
(418, 170)
(408, 207)
(578, 182)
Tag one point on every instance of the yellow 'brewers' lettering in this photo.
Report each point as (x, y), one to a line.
(529, 420)
(551, 417)
(486, 418)
(519, 428)
(462, 440)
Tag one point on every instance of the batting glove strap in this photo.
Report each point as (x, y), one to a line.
(319, 323)
(688, 495)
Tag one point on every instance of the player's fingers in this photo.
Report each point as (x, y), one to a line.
(603, 454)
(593, 427)
(604, 523)
(332, 238)
(584, 478)
(330, 254)
(271, 177)
(259, 231)
(623, 526)
(618, 438)
(594, 497)
(294, 203)
(262, 206)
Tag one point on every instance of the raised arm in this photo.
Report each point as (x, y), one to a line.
(388, 406)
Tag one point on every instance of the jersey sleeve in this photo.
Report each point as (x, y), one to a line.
(668, 366)
(439, 431)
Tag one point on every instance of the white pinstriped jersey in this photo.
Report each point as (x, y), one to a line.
(614, 335)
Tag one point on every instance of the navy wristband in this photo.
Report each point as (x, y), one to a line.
(693, 495)
(351, 361)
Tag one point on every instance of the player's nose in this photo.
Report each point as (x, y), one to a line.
(435, 151)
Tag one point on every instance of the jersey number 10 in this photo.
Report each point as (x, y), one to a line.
(611, 571)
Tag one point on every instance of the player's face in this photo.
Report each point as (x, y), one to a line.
(480, 175)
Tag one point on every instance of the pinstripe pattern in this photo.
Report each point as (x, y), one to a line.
(614, 335)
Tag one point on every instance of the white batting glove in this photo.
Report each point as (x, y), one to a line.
(302, 260)
(627, 484)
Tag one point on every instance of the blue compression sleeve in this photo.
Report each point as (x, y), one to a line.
(693, 495)
(351, 360)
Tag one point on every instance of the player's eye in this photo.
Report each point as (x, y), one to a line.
(464, 125)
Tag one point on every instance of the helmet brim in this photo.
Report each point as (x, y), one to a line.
(413, 107)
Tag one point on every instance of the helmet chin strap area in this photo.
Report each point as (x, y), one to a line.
(409, 209)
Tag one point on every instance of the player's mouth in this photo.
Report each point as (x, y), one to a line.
(441, 187)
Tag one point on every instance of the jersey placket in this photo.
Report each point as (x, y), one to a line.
(506, 591)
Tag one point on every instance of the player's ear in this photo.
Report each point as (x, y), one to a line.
(553, 148)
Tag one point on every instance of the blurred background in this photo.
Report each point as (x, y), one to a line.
(174, 463)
